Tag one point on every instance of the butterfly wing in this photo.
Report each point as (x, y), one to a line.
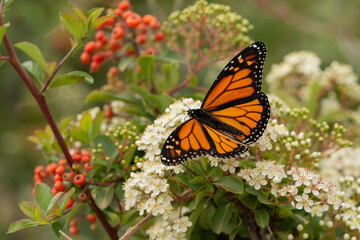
(250, 119)
(240, 81)
(193, 138)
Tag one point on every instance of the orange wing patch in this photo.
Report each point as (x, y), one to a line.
(223, 143)
(244, 117)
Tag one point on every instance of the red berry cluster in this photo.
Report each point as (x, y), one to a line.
(75, 222)
(60, 175)
(115, 33)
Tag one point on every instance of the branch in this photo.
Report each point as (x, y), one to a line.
(68, 55)
(133, 229)
(40, 99)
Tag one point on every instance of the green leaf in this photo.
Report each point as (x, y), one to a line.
(53, 202)
(185, 180)
(93, 15)
(71, 78)
(34, 70)
(58, 226)
(103, 196)
(80, 135)
(81, 15)
(199, 196)
(161, 101)
(194, 217)
(64, 199)
(64, 123)
(74, 211)
(221, 218)
(43, 195)
(232, 184)
(264, 200)
(147, 67)
(3, 29)
(172, 74)
(283, 212)
(262, 218)
(86, 121)
(250, 201)
(96, 125)
(21, 224)
(38, 216)
(34, 52)
(139, 112)
(125, 62)
(313, 98)
(197, 180)
(28, 209)
(103, 95)
(193, 80)
(74, 24)
(99, 21)
(108, 146)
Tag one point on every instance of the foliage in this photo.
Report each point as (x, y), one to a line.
(105, 162)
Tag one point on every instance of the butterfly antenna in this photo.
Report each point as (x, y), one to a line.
(172, 119)
(185, 104)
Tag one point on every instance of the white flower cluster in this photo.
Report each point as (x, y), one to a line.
(344, 162)
(171, 228)
(271, 134)
(297, 69)
(306, 190)
(147, 192)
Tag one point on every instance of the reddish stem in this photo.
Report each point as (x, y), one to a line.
(40, 99)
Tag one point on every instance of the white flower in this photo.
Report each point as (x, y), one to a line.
(303, 201)
(258, 181)
(181, 224)
(229, 164)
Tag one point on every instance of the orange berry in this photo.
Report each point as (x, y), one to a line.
(60, 170)
(159, 36)
(63, 162)
(114, 44)
(82, 196)
(100, 35)
(85, 159)
(89, 166)
(50, 169)
(98, 57)
(141, 39)
(74, 231)
(86, 153)
(91, 218)
(90, 47)
(58, 177)
(118, 12)
(77, 157)
(127, 14)
(85, 58)
(147, 19)
(69, 204)
(39, 169)
(117, 32)
(59, 186)
(109, 22)
(124, 5)
(155, 24)
(133, 20)
(150, 51)
(142, 28)
(79, 179)
(114, 70)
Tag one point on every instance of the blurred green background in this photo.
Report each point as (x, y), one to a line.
(327, 27)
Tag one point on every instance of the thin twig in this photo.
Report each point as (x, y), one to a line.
(132, 230)
(68, 55)
(64, 235)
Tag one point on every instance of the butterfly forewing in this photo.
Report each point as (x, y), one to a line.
(240, 81)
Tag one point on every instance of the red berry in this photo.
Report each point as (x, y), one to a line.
(66, 176)
(82, 196)
(109, 22)
(129, 52)
(69, 204)
(94, 66)
(85, 159)
(39, 169)
(118, 12)
(133, 20)
(98, 57)
(142, 28)
(147, 19)
(88, 166)
(63, 162)
(59, 186)
(74, 230)
(85, 58)
(159, 36)
(110, 54)
(127, 14)
(50, 169)
(37, 181)
(141, 39)
(113, 71)
(58, 177)
(91, 218)
(100, 35)
(60, 170)
(150, 51)
(117, 32)
(90, 47)
(77, 157)
(124, 5)
(79, 179)
(54, 191)
(86, 153)
(155, 24)
(74, 222)
(114, 44)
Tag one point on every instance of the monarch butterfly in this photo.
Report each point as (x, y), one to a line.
(233, 114)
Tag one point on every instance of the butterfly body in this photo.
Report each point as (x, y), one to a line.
(233, 114)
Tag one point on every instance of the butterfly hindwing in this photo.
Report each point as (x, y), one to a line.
(250, 118)
(240, 81)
